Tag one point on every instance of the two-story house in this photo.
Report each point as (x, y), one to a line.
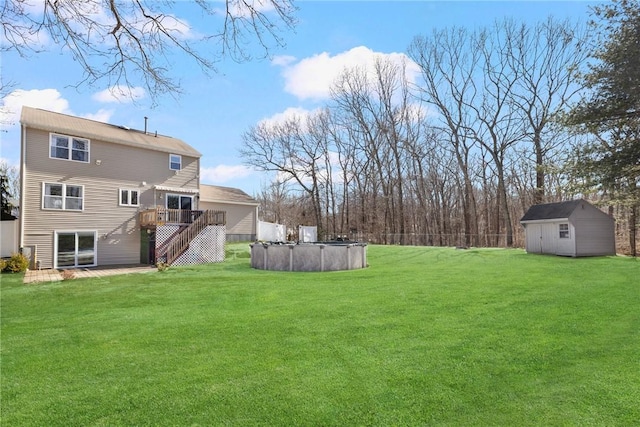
(100, 194)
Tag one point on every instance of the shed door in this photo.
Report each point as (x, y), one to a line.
(548, 238)
(541, 238)
(534, 238)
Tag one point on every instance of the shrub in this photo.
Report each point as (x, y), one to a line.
(18, 263)
(68, 274)
(3, 264)
(162, 266)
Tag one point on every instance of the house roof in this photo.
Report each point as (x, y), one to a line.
(560, 210)
(215, 193)
(85, 128)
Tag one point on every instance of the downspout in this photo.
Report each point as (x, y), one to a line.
(23, 156)
(197, 196)
(256, 224)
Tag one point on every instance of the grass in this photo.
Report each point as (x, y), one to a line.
(424, 336)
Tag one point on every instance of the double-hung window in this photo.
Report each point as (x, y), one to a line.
(62, 196)
(564, 231)
(175, 162)
(69, 148)
(129, 197)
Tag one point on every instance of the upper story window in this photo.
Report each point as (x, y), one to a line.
(175, 162)
(69, 148)
(564, 231)
(129, 197)
(62, 196)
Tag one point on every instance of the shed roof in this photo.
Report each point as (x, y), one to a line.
(86, 128)
(559, 210)
(215, 193)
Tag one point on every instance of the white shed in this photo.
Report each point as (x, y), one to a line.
(573, 228)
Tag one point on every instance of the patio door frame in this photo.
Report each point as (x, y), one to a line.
(76, 254)
(180, 201)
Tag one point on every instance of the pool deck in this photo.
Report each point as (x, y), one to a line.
(50, 275)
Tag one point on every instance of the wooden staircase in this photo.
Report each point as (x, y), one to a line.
(179, 243)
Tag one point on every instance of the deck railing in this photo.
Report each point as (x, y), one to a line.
(161, 216)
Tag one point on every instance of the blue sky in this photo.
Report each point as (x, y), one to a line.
(214, 112)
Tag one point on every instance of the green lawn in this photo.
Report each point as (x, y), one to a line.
(424, 336)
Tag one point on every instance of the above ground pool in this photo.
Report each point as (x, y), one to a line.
(318, 256)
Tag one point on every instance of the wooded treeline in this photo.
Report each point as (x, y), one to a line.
(447, 148)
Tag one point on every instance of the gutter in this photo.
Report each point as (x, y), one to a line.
(229, 202)
(543, 221)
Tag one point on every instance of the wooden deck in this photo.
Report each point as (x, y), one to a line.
(151, 218)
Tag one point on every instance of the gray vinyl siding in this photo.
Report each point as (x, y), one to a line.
(120, 166)
(241, 219)
(595, 233)
(595, 237)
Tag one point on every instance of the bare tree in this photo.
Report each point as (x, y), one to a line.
(293, 149)
(376, 106)
(351, 94)
(498, 127)
(548, 57)
(457, 174)
(131, 43)
(494, 89)
(279, 203)
(448, 69)
(10, 176)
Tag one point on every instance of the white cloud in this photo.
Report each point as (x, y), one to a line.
(120, 94)
(47, 99)
(289, 113)
(223, 173)
(245, 8)
(311, 78)
(283, 60)
(179, 26)
(101, 115)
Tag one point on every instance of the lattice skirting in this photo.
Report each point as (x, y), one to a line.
(208, 246)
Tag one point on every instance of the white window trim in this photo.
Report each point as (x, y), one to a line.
(55, 248)
(70, 139)
(128, 190)
(64, 196)
(180, 161)
(560, 236)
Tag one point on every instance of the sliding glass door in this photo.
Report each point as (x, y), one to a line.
(75, 249)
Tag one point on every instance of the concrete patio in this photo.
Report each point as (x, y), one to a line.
(50, 275)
